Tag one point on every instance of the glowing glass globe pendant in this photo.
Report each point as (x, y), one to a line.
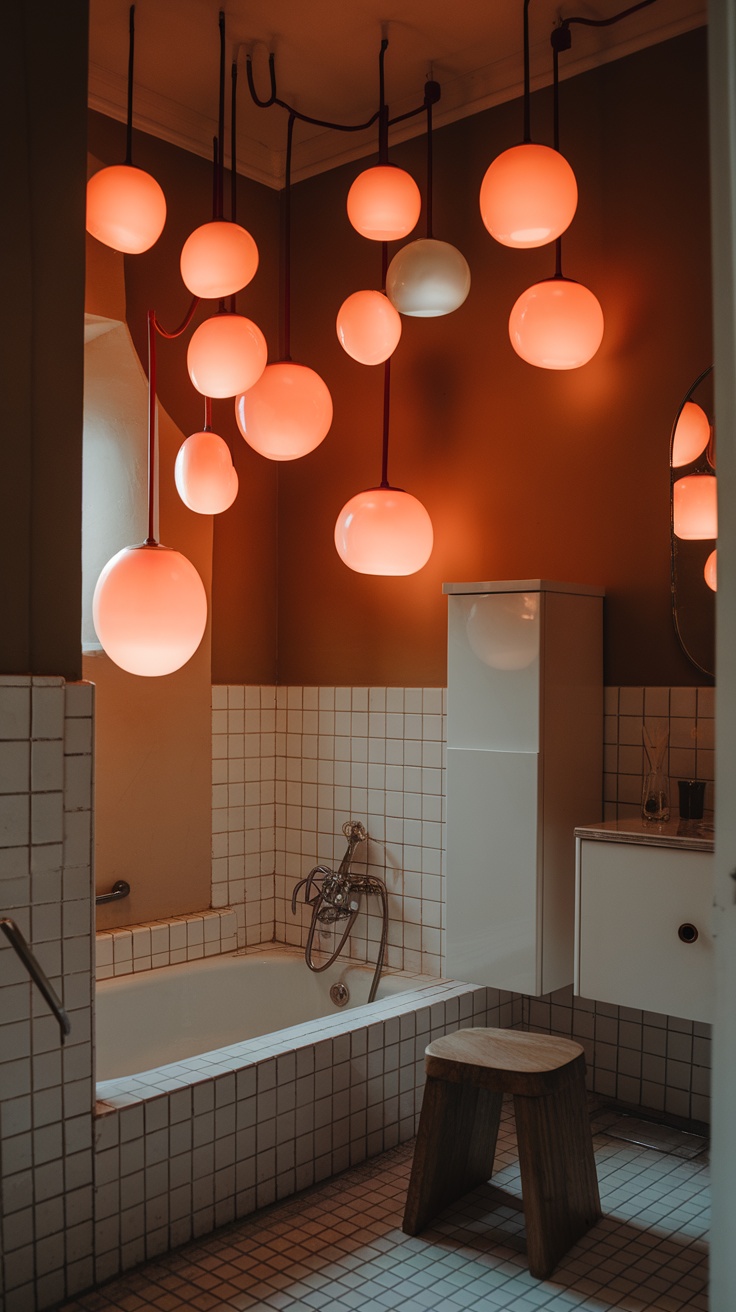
(218, 259)
(428, 278)
(695, 507)
(384, 530)
(384, 203)
(126, 208)
(528, 196)
(556, 324)
(227, 354)
(368, 327)
(149, 609)
(205, 476)
(692, 435)
(287, 413)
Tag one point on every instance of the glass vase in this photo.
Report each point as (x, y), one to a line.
(655, 793)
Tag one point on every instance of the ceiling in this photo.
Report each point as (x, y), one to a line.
(326, 58)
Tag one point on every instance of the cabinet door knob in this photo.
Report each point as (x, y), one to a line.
(687, 932)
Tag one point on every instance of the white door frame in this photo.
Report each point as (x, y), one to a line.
(722, 78)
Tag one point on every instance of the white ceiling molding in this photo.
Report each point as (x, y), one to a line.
(262, 133)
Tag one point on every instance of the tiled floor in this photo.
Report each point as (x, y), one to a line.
(339, 1246)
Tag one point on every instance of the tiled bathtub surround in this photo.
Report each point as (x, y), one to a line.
(46, 1091)
(213, 1138)
(164, 943)
(330, 754)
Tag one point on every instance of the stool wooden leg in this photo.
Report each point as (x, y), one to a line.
(558, 1179)
(456, 1144)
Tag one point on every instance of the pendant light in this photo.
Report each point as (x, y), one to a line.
(692, 434)
(149, 605)
(220, 257)
(694, 495)
(368, 327)
(384, 530)
(695, 507)
(557, 323)
(205, 476)
(126, 208)
(710, 573)
(287, 411)
(227, 353)
(428, 278)
(529, 195)
(384, 202)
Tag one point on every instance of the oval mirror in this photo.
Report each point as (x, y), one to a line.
(693, 523)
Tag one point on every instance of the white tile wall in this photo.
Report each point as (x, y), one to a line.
(687, 714)
(377, 755)
(164, 942)
(46, 1091)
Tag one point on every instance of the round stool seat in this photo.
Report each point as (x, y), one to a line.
(508, 1061)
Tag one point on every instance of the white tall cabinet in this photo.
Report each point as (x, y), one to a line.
(524, 768)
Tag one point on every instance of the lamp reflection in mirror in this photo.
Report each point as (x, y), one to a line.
(218, 259)
(428, 278)
(149, 609)
(126, 208)
(556, 324)
(384, 530)
(692, 435)
(503, 630)
(368, 327)
(528, 196)
(384, 203)
(694, 507)
(205, 476)
(710, 573)
(287, 412)
(226, 355)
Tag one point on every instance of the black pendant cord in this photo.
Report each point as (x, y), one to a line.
(527, 79)
(233, 155)
(221, 121)
(275, 99)
(286, 319)
(560, 41)
(382, 106)
(386, 414)
(131, 65)
(207, 415)
(429, 170)
(607, 22)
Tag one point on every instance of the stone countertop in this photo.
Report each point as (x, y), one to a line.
(687, 835)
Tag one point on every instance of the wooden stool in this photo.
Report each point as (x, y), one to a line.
(467, 1074)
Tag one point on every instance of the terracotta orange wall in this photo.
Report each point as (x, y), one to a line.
(526, 473)
(245, 551)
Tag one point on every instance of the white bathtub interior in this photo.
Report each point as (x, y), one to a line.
(148, 1020)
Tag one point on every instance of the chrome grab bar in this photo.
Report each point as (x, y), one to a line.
(118, 890)
(23, 951)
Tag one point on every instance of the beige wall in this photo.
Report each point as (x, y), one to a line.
(152, 736)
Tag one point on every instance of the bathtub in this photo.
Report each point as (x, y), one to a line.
(195, 1135)
(175, 1012)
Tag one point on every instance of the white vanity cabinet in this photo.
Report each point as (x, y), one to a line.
(643, 918)
(524, 767)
